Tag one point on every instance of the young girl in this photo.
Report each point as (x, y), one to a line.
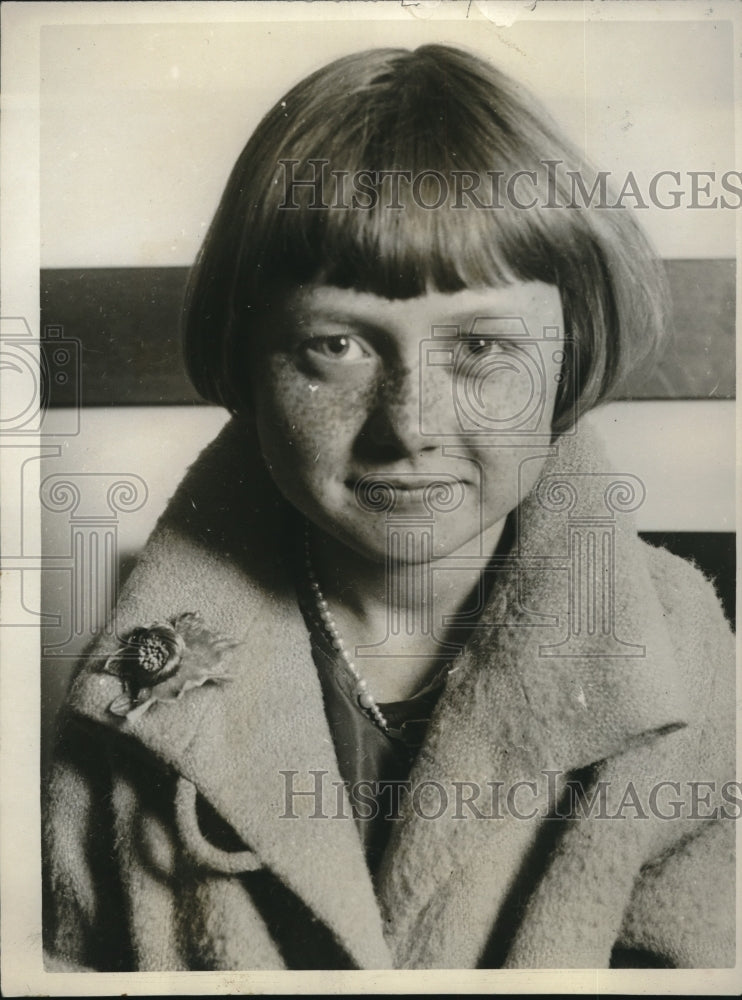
(395, 684)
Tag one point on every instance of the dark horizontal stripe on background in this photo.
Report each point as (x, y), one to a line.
(126, 320)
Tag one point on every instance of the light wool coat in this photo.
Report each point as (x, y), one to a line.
(167, 842)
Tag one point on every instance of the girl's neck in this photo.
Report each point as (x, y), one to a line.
(397, 616)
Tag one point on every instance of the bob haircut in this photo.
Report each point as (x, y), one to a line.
(493, 193)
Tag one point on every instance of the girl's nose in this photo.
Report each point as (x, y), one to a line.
(408, 414)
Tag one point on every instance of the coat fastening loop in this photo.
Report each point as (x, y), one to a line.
(224, 862)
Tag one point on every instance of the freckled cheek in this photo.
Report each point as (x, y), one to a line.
(307, 422)
(438, 402)
(518, 390)
(510, 473)
(508, 476)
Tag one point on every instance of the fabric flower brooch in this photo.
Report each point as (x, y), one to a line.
(163, 661)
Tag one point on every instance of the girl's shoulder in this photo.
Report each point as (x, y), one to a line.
(700, 634)
(684, 589)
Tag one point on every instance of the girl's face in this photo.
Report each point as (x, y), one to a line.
(435, 410)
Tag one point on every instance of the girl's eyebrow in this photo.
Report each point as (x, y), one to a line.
(313, 310)
(331, 315)
(478, 323)
(328, 314)
(468, 319)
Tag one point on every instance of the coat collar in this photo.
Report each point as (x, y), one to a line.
(518, 695)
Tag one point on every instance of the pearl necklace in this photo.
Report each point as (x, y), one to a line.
(365, 699)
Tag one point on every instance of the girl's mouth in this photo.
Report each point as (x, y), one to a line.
(379, 492)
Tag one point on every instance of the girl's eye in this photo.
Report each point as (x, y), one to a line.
(478, 345)
(338, 348)
(484, 345)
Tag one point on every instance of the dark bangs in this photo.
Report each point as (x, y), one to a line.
(397, 172)
(402, 249)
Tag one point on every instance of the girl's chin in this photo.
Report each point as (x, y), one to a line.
(400, 543)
